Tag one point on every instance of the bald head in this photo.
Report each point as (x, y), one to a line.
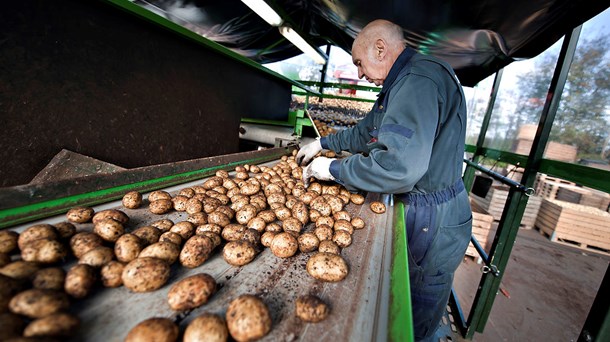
(376, 48)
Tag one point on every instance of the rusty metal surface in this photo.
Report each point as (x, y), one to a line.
(67, 164)
(359, 303)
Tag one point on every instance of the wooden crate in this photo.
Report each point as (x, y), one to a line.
(575, 224)
(481, 229)
(553, 150)
(495, 201)
(559, 189)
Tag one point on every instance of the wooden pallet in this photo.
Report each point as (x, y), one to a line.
(481, 229)
(559, 189)
(578, 225)
(495, 200)
(553, 150)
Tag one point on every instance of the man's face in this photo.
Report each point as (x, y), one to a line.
(368, 66)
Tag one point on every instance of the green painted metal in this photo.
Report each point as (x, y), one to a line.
(176, 28)
(31, 212)
(296, 119)
(327, 96)
(469, 172)
(401, 315)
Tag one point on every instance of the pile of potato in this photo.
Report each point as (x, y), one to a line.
(258, 207)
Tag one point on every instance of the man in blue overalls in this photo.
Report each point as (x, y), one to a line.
(411, 145)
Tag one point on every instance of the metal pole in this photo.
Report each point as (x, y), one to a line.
(323, 78)
(516, 201)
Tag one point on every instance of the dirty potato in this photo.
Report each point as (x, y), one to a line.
(80, 214)
(161, 250)
(292, 225)
(156, 329)
(83, 242)
(257, 223)
(342, 238)
(132, 200)
(8, 241)
(246, 213)
(284, 245)
(37, 303)
(145, 274)
(80, 280)
(193, 206)
(127, 247)
(233, 232)
(378, 207)
(163, 225)
(191, 292)
(344, 225)
(323, 232)
(20, 269)
(238, 253)
(114, 214)
(209, 227)
(37, 232)
(51, 278)
(196, 251)
(198, 219)
(219, 218)
(329, 246)
(171, 237)
(161, 206)
(56, 325)
(184, 228)
(111, 274)
(308, 242)
(356, 198)
(327, 267)
(300, 212)
(310, 308)
(159, 195)
(65, 230)
(357, 223)
(109, 229)
(44, 251)
(248, 318)
(207, 327)
(97, 257)
(147, 234)
(267, 238)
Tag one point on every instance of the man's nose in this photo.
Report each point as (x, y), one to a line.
(360, 73)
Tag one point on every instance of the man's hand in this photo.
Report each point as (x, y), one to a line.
(319, 168)
(308, 151)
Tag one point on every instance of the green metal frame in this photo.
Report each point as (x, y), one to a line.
(296, 119)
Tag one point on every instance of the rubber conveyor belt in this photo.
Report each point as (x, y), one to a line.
(359, 304)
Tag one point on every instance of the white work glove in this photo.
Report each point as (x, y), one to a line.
(319, 168)
(308, 151)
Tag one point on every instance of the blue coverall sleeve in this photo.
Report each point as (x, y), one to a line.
(354, 139)
(401, 155)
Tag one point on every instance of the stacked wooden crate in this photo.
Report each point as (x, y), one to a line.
(575, 224)
(481, 229)
(559, 189)
(553, 150)
(495, 200)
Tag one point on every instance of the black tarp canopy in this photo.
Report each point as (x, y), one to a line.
(476, 37)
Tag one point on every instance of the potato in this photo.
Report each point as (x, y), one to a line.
(80, 214)
(327, 267)
(8, 241)
(342, 238)
(65, 230)
(145, 274)
(114, 214)
(217, 241)
(342, 215)
(252, 236)
(155, 329)
(20, 269)
(161, 206)
(272, 188)
(267, 215)
(257, 223)
(44, 251)
(292, 225)
(83, 242)
(196, 251)
(378, 207)
(109, 229)
(111, 274)
(37, 232)
(300, 212)
(314, 215)
(329, 246)
(127, 247)
(211, 204)
(193, 206)
(282, 213)
(284, 245)
(184, 228)
(207, 327)
(274, 227)
(246, 213)
(267, 238)
(325, 220)
(162, 250)
(80, 280)
(37, 303)
(147, 234)
(238, 253)
(51, 278)
(191, 292)
(321, 206)
(308, 242)
(159, 195)
(233, 232)
(250, 188)
(356, 198)
(212, 182)
(310, 308)
(179, 203)
(344, 225)
(163, 225)
(132, 200)
(218, 218)
(248, 318)
(210, 227)
(241, 175)
(336, 204)
(171, 237)
(9, 287)
(11, 325)
(198, 219)
(97, 257)
(55, 325)
(227, 211)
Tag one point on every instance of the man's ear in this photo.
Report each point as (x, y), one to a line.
(380, 49)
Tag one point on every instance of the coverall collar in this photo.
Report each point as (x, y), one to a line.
(399, 64)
